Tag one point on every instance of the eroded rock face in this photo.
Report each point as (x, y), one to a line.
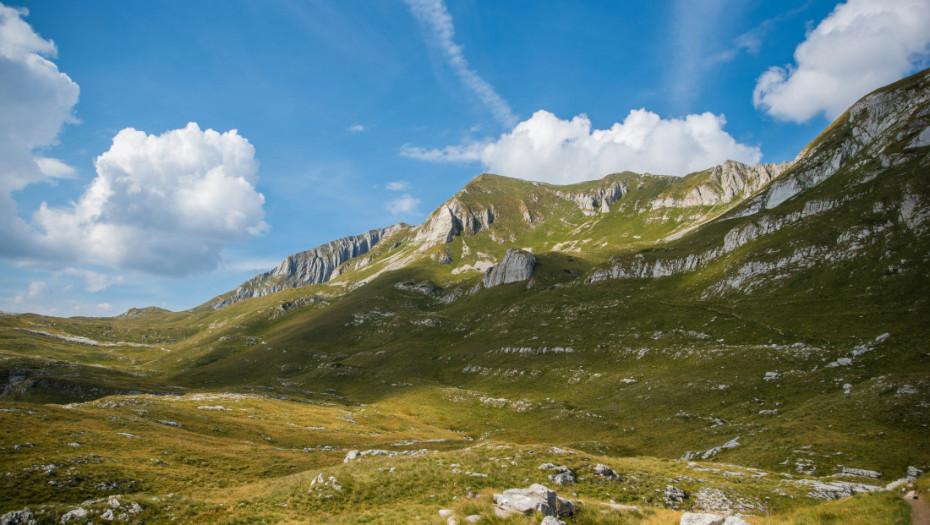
(516, 266)
(725, 183)
(451, 219)
(310, 267)
(537, 498)
(597, 200)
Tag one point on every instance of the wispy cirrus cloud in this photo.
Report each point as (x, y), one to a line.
(435, 16)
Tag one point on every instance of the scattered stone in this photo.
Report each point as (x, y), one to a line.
(835, 489)
(674, 496)
(134, 508)
(75, 514)
(107, 515)
(606, 472)
(549, 520)
(537, 498)
(474, 518)
(913, 473)
(862, 473)
(445, 513)
(911, 495)
(350, 456)
(733, 443)
(113, 502)
(170, 423)
(18, 517)
(563, 476)
(882, 337)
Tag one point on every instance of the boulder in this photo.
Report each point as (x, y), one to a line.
(351, 455)
(694, 518)
(18, 517)
(562, 478)
(607, 472)
(733, 520)
(75, 514)
(517, 265)
(537, 498)
(674, 496)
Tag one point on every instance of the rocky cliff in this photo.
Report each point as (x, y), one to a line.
(875, 137)
(516, 266)
(451, 219)
(309, 267)
(724, 183)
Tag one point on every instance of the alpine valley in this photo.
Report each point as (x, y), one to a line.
(747, 341)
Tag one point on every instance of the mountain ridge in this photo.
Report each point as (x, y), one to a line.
(727, 357)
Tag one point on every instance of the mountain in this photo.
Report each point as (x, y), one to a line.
(309, 267)
(745, 339)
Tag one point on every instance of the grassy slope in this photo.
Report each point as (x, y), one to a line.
(658, 367)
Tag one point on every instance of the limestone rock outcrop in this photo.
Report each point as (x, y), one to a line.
(516, 266)
(452, 219)
(598, 200)
(309, 267)
(725, 183)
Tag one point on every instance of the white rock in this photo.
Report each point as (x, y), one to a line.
(537, 498)
(695, 518)
(733, 520)
(75, 514)
(874, 474)
(550, 520)
(351, 455)
(474, 518)
(517, 265)
(445, 513)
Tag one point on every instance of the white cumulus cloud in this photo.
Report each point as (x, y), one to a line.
(549, 149)
(164, 204)
(405, 205)
(36, 100)
(861, 46)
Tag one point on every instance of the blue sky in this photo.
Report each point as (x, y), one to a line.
(351, 115)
